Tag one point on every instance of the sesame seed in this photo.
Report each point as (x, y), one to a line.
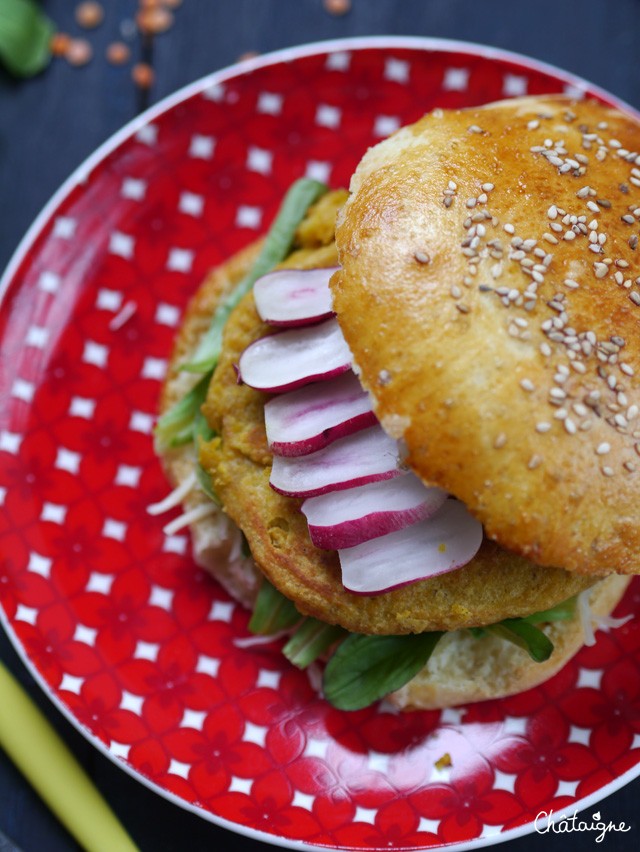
(543, 426)
(527, 385)
(630, 466)
(570, 426)
(534, 462)
(455, 291)
(422, 257)
(635, 297)
(557, 393)
(509, 228)
(471, 202)
(603, 448)
(600, 269)
(607, 471)
(487, 187)
(500, 441)
(627, 369)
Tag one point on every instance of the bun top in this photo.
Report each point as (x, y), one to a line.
(490, 294)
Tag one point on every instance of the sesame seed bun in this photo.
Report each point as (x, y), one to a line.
(490, 294)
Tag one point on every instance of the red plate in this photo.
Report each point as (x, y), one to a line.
(131, 640)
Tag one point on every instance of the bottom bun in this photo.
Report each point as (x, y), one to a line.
(464, 669)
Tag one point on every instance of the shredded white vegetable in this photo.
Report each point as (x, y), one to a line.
(608, 622)
(190, 517)
(314, 673)
(176, 497)
(586, 617)
(256, 641)
(125, 314)
(236, 546)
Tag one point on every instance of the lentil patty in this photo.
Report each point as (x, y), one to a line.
(495, 585)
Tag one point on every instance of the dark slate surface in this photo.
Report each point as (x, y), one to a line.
(50, 124)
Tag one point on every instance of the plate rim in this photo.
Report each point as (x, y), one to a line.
(83, 171)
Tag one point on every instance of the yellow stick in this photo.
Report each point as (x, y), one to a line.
(42, 757)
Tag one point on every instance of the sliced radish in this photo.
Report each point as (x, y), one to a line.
(288, 297)
(443, 542)
(349, 517)
(305, 420)
(289, 359)
(366, 456)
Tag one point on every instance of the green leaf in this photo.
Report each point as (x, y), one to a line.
(526, 636)
(364, 669)
(175, 427)
(301, 195)
(310, 641)
(25, 35)
(561, 612)
(202, 431)
(272, 611)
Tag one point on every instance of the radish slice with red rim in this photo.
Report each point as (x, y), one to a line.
(366, 456)
(289, 359)
(347, 518)
(447, 540)
(290, 297)
(305, 420)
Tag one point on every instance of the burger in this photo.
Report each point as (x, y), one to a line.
(405, 426)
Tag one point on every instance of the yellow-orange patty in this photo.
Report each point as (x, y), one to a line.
(495, 585)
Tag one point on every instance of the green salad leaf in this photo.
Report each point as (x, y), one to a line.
(25, 35)
(202, 431)
(175, 427)
(310, 640)
(272, 612)
(276, 247)
(526, 636)
(561, 612)
(364, 669)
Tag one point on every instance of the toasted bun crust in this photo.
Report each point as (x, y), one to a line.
(514, 390)
(463, 669)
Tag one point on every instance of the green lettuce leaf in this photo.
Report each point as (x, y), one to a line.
(272, 612)
(310, 640)
(175, 427)
(364, 669)
(526, 636)
(277, 245)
